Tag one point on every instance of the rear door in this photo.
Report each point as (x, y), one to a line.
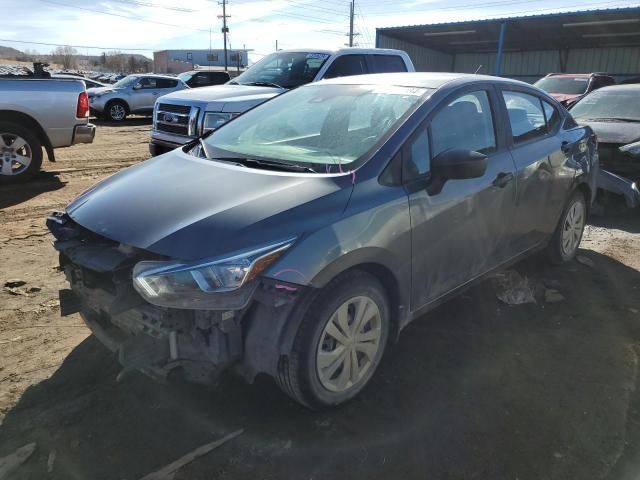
(540, 152)
(464, 230)
(144, 93)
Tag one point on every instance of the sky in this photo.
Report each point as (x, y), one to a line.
(142, 26)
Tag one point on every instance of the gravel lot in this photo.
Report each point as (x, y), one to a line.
(475, 390)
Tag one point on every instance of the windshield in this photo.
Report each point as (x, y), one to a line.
(286, 69)
(185, 77)
(564, 85)
(619, 104)
(126, 81)
(320, 124)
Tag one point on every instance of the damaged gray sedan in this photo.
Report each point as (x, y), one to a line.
(300, 238)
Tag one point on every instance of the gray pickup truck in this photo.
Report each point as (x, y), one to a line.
(37, 113)
(180, 117)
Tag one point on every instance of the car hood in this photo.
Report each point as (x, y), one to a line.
(221, 92)
(190, 208)
(620, 133)
(99, 90)
(564, 97)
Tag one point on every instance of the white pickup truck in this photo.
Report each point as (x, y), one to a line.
(39, 113)
(180, 117)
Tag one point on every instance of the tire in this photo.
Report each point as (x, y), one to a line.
(115, 111)
(301, 374)
(566, 239)
(22, 163)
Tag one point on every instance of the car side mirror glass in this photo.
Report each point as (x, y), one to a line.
(137, 86)
(455, 164)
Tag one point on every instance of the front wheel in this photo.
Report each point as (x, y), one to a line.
(566, 239)
(116, 111)
(339, 343)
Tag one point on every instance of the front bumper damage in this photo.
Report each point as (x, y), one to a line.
(620, 172)
(196, 345)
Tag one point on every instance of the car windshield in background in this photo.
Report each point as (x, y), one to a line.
(185, 77)
(565, 85)
(609, 104)
(319, 124)
(284, 69)
(126, 81)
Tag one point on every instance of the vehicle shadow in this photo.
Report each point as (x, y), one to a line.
(16, 194)
(628, 221)
(131, 121)
(475, 389)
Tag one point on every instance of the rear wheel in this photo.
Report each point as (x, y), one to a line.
(566, 239)
(20, 153)
(116, 111)
(339, 343)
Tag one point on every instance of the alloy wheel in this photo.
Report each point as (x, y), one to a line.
(117, 112)
(572, 228)
(349, 344)
(15, 154)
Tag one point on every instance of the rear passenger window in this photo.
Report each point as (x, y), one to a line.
(417, 160)
(525, 116)
(166, 83)
(346, 65)
(387, 64)
(552, 116)
(467, 123)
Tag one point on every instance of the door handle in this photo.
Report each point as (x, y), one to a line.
(566, 147)
(502, 180)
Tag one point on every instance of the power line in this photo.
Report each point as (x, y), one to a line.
(78, 46)
(138, 19)
(140, 3)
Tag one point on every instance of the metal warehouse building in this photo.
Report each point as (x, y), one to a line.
(177, 61)
(526, 47)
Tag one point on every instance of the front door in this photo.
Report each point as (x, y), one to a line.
(462, 231)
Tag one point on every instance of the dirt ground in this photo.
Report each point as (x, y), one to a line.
(475, 390)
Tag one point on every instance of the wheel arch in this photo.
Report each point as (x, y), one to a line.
(586, 191)
(28, 121)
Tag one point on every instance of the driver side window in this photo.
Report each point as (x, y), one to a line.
(467, 123)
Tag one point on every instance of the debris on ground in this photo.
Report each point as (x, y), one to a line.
(633, 310)
(15, 287)
(585, 261)
(168, 472)
(14, 283)
(51, 460)
(9, 463)
(553, 296)
(514, 289)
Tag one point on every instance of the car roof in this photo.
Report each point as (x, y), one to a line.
(379, 51)
(419, 79)
(152, 75)
(633, 87)
(579, 75)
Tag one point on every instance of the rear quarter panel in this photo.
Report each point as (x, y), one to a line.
(52, 103)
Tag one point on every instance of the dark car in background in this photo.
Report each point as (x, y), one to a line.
(300, 238)
(614, 115)
(568, 88)
(204, 78)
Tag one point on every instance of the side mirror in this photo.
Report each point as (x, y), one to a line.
(455, 164)
(137, 86)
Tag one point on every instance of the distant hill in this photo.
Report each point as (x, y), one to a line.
(9, 52)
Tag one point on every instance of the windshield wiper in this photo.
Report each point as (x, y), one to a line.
(254, 162)
(263, 84)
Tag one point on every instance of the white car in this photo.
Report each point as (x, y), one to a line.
(132, 94)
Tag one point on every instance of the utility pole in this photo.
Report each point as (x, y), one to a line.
(225, 31)
(351, 14)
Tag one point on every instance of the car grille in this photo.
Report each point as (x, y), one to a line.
(172, 119)
(167, 107)
(177, 129)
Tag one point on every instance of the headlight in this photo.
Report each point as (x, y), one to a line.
(632, 149)
(213, 120)
(205, 284)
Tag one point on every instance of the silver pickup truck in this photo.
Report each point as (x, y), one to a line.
(180, 117)
(37, 113)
